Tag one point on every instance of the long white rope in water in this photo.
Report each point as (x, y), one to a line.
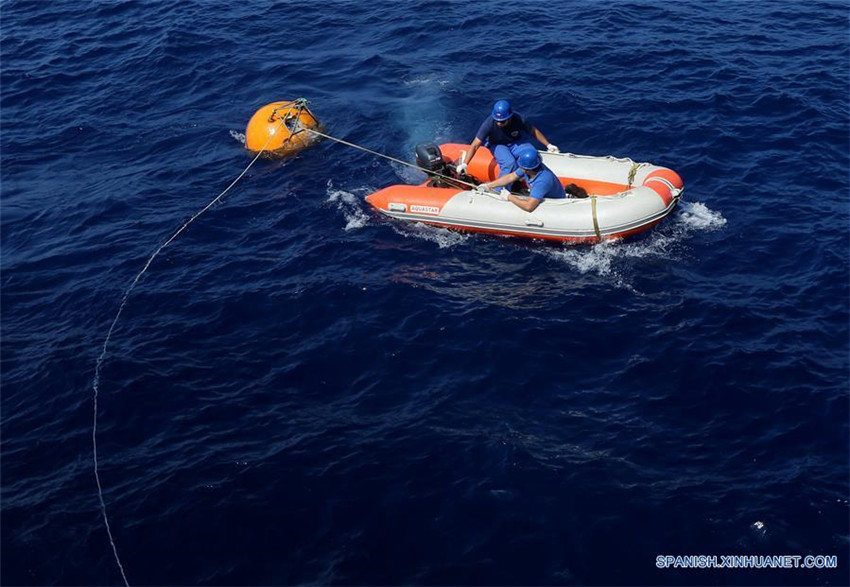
(129, 290)
(102, 357)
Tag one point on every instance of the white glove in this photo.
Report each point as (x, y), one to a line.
(461, 167)
(552, 148)
(482, 188)
(502, 195)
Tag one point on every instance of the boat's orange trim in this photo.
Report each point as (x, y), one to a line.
(669, 175)
(596, 187)
(511, 233)
(660, 188)
(547, 237)
(660, 181)
(483, 166)
(637, 230)
(412, 195)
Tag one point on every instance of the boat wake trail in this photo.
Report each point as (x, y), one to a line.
(431, 79)
(600, 260)
(350, 204)
(698, 216)
(616, 261)
(353, 209)
(239, 136)
(442, 237)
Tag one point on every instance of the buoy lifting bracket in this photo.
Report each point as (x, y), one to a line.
(292, 120)
(298, 105)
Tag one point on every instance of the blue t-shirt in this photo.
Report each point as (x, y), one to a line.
(543, 185)
(517, 130)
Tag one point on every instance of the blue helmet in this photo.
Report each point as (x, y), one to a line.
(529, 158)
(502, 110)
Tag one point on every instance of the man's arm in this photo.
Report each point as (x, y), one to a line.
(471, 153)
(540, 137)
(527, 204)
(506, 179)
(483, 133)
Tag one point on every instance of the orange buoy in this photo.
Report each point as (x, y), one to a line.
(279, 127)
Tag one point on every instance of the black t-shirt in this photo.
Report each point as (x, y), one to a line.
(517, 130)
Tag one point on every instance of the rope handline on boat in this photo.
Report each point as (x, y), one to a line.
(633, 171)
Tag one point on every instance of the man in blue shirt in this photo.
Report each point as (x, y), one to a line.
(505, 133)
(542, 182)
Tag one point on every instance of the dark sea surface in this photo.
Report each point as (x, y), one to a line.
(300, 391)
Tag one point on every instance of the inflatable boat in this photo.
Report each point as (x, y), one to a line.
(624, 198)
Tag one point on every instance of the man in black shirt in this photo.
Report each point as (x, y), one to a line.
(505, 133)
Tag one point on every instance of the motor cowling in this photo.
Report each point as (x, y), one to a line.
(430, 158)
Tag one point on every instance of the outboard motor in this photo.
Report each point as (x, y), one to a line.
(429, 158)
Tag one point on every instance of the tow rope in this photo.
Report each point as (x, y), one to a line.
(293, 124)
(376, 153)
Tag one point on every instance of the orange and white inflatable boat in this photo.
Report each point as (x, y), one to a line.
(625, 198)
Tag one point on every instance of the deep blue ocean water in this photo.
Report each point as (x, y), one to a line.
(301, 391)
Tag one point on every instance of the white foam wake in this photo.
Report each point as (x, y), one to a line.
(616, 260)
(698, 216)
(442, 237)
(599, 259)
(430, 79)
(350, 204)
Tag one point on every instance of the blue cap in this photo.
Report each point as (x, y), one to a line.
(502, 110)
(529, 158)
